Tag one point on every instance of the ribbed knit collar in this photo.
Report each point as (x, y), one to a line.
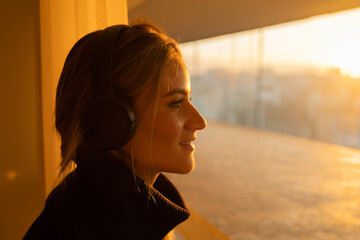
(108, 197)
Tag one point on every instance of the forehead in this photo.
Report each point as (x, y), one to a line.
(177, 79)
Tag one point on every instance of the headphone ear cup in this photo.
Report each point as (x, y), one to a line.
(108, 122)
(108, 125)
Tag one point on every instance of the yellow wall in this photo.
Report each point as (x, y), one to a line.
(21, 148)
(29, 149)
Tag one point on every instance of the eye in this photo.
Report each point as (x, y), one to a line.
(176, 104)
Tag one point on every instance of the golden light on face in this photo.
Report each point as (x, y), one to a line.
(167, 144)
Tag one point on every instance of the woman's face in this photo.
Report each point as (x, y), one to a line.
(171, 143)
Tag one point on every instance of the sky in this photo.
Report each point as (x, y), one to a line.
(331, 40)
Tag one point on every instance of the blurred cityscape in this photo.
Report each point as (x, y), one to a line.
(300, 78)
(312, 103)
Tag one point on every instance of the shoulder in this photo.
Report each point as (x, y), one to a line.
(55, 225)
(59, 220)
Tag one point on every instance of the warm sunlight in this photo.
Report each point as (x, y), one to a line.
(347, 56)
(331, 40)
(300, 78)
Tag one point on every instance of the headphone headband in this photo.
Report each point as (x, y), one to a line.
(102, 62)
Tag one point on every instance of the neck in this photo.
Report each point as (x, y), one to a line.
(143, 172)
(147, 175)
(104, 191)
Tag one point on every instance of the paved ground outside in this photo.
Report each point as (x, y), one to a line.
(253, 184)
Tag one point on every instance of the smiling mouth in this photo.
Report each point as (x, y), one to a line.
(188, 145)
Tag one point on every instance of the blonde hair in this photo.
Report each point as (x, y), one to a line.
(170, 236)
(143, 58)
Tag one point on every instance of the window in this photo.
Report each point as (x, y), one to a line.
(300, 78)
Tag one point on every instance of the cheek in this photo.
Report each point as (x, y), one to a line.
(167, 129)
(168, 155)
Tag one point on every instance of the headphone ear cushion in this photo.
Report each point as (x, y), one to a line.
(108, 125)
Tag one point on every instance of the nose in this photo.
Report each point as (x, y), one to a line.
(195, 121)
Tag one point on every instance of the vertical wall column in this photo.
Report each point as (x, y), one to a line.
(21, 151)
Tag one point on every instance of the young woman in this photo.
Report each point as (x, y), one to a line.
(124, 115)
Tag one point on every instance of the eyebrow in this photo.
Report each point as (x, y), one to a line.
(177, 91)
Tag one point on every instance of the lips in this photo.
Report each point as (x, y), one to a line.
(189, 141)
(188, 144)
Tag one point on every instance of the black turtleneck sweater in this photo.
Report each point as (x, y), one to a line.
(102, 199)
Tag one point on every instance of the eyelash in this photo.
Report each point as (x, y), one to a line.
(177, 103)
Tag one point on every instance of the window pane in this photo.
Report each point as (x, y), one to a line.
(300, 78)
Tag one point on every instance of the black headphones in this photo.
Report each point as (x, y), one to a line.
(108, 122)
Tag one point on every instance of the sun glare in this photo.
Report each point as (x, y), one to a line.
(347, 56)
(330, 40)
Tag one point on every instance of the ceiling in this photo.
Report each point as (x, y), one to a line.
(188, 20)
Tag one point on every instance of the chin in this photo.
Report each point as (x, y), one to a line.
(187, 167)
